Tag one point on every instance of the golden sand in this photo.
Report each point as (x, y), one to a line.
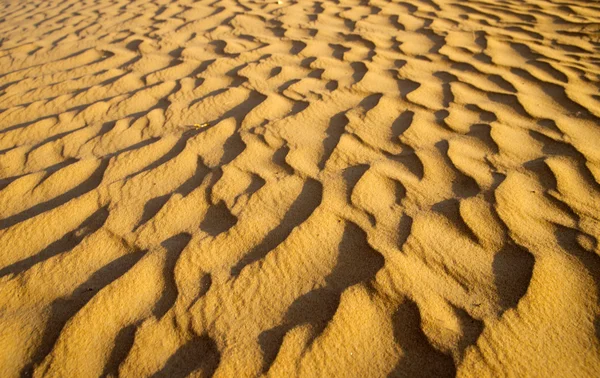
(350, 188)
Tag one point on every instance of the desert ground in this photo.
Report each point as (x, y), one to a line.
(333, 188)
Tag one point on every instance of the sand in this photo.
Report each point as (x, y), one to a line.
(297, 188)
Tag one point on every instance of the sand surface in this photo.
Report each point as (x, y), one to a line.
(328, 188)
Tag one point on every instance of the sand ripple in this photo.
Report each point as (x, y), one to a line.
(312, 188)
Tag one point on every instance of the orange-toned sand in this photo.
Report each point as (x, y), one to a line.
(335, 188)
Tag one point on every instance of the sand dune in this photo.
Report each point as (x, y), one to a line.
(350, 188)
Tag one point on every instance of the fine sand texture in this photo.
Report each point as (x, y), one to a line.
(297, 188)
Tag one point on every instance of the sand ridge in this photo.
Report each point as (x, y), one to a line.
(299, 188)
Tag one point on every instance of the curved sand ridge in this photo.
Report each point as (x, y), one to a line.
(311, 188)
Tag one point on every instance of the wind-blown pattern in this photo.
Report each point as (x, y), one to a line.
(311, 188)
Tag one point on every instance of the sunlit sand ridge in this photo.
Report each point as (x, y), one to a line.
(299, 188)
